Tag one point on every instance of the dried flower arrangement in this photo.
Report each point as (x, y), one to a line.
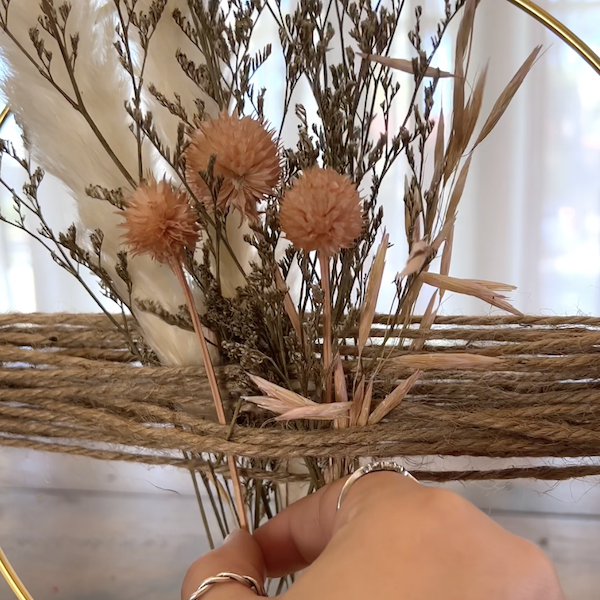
(221, 245)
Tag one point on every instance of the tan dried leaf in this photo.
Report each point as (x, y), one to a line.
(357, 401)
(444, 234)
(495, 286)
(447, 254)
(507, 95)
(370, 303)
(393, 400)
(341, 391)
(407, 214)
(426, 323)
(465, 32)
(288, 303)
(439, 153)
(363, 418)
(458, 190)
(416, 259)
(473, 109)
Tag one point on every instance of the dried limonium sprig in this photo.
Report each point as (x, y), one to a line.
(160, 222)
(322, 211)
(247, 161)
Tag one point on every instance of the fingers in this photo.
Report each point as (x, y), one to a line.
(294, 538)
(239, 554)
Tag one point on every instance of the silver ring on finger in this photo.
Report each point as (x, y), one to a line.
(227, 577)
(381, 465)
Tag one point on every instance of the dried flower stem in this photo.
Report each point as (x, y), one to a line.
(327, 350)
(214, 387)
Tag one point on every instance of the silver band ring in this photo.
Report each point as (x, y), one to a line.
(249, 582)
(382, 465)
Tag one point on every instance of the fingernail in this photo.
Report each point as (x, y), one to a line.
(233, 536)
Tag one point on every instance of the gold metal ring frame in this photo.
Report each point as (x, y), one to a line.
(538, 13)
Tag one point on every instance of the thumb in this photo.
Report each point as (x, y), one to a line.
(239, 554)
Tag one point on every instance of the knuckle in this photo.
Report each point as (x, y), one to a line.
(538, 572)
(446, 504)
(538, 562)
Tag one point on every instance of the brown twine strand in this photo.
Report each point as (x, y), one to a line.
(69, 384)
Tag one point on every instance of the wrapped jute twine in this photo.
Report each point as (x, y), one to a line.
(69, 384)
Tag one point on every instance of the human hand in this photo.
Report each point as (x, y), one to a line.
(391, 539)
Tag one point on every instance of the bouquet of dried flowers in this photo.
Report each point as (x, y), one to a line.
(224, 243)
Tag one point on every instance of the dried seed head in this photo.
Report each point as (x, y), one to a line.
(160, 221)
(322, 211)
(247, 158)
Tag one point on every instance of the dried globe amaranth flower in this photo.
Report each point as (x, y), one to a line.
(247, 158)
(160, 221)
(322, 211)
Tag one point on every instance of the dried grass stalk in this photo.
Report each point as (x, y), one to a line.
(458, 190)
(363, 418)
(341, 391)
(290, 307)
(373, 287)
(339, 382)
(357, 401)
(473, 109)
(426, 322)
(439, 148)
(214, 387)
(447, 254)
(465, 32)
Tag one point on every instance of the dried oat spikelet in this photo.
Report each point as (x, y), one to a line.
(393, 399)
(290, 406)
(484, 290)
(322, 211)
(247, 158)
(160, 221)
(403, 64)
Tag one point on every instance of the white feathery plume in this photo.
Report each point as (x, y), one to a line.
(163, 71)
(63, 143)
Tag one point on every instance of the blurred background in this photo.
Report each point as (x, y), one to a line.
(76, 528)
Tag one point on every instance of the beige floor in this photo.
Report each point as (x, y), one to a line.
(78, 529)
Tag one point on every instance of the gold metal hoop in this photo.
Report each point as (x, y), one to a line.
(532, 9)
(12, 579)
(561, 30)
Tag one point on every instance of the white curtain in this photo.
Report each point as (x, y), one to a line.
(530, 215)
